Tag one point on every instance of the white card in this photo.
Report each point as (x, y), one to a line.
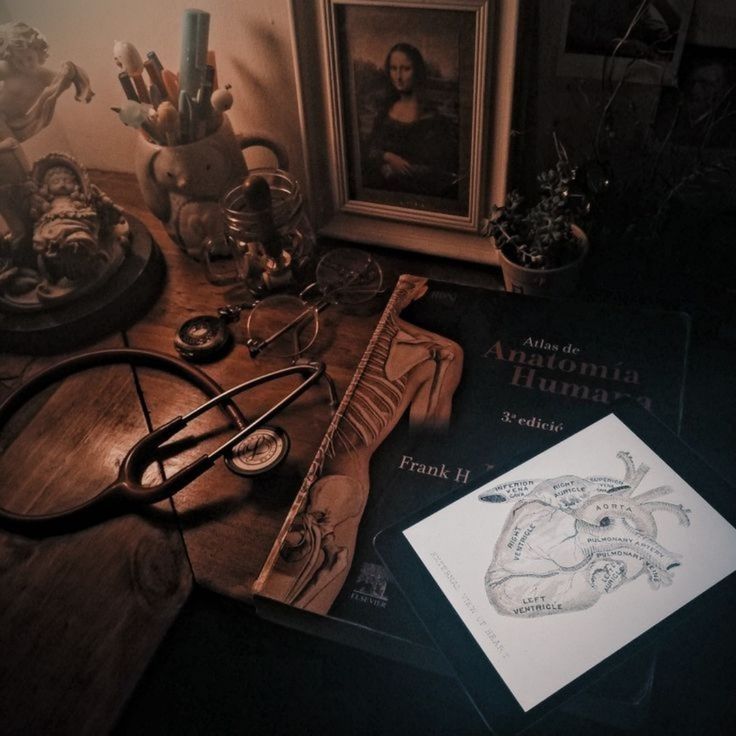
(559, 563)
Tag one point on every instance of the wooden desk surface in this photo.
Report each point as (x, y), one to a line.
(81, 614)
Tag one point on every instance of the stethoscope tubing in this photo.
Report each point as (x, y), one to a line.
(112, 356)
(107, 501)
(128, 489)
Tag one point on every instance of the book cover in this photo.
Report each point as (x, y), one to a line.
(455, 381)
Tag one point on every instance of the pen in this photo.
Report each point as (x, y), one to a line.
(172, 85)
(151, 131)
(168, 122)
(212, 62)
(128, 89)
(155, 95)
(140, 87)
(205, 91)
(205, 112)
(152, 56)
(154, 74)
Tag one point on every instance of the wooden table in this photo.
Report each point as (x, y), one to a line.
(82, 614)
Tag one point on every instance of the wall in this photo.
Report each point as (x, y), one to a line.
(251, 39)
(666, 189)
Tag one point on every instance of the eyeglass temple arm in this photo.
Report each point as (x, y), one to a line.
(255, 346)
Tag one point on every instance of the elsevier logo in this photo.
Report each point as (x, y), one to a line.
(371, 584)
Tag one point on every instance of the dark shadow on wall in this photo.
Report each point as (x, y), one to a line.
(657, 159)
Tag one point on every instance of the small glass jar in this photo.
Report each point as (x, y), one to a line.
(244, 228)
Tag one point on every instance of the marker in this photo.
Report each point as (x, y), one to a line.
(195, 32)
(172, 85)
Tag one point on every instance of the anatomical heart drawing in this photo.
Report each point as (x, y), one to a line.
(565, 559)
(569, 540)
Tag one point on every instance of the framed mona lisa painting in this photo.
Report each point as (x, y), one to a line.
(406, 113)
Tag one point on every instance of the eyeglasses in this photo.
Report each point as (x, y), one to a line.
(288, 325)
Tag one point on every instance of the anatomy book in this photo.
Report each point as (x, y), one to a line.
(454, 382)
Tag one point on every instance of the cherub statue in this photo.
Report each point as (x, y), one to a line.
(29, 91)
(79, 237)
(60, 236)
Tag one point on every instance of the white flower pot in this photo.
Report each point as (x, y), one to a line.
(562, 281)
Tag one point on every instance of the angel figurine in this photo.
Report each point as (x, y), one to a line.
(79, 237)
(29, 91)
(60, 236)
(28, 95)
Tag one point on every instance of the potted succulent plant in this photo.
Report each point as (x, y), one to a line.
(541, 248)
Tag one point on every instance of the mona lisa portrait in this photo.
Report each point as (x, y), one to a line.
(407, 91)
(412, 146)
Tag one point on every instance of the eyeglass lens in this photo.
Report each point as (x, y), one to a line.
(284, 323)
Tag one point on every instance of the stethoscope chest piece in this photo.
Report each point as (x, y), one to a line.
(202, 338)
(260, 452)
(256, 447)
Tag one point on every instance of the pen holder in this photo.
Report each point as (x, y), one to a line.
(183, 185)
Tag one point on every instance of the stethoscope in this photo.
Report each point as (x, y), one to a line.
(255, 447)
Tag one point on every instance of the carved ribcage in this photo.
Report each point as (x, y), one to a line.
(375, 400)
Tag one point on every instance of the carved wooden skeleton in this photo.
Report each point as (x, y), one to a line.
(404, 367)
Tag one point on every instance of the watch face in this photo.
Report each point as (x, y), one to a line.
(259, 452)
(202, 338)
